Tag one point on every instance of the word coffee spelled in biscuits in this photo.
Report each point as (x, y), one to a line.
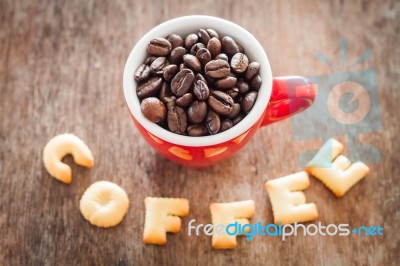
(288, 203)
(104, 204)
(57, 148)
(228, 213)
(162, 217)
(334, 170)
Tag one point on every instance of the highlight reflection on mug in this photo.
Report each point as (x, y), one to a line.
(346, 105)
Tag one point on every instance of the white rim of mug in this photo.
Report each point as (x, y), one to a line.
(192, 24)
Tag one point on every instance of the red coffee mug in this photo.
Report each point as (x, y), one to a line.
(278, 98)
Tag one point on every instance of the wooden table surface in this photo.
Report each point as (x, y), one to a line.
(61, 65)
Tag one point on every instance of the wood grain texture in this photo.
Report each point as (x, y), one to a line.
(61, 65)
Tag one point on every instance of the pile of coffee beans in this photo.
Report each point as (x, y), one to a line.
(198, 85)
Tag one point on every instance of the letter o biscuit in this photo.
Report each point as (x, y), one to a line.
(104, 204)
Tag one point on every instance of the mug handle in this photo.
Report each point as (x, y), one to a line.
(289, 96)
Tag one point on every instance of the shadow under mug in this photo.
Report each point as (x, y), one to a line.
(278, 98)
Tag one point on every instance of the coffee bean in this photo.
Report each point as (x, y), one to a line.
(185, 100)
(220, 102)
(149, 60)
(237, 119)
(159, 47)
(243, 86)
(226, 83)
(197, 130)
(200, 77)
(175, 40)
(165, 91)
(255, 82)
(214, 46)
(169, 72)
(235, 111)
(190, 40)
(195, 48)
(204, 56)
(239, 63)
(153, 109)
(217, 68)
(176, 56)
(212, 33)
(213, 122)
(234, 92)
(157, 67)
(222, 57)
(225, 125)
(201, 90)
(182, 66)
(182, 82)
(252, 70)
(229, 46)
(142, 73)
(197, 112)
(150, 87)
(205, 84)
(177, 120)
(204, 37)
(248, 101)
(192, 62)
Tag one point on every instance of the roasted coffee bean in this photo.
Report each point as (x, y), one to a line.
(190, 40)
(197, 130)
(220, 102)
(238, 119)
(225, 83)
(204, 56)
(200, 77)
(213, 122)
(248, 101)
(205, 84)
(153, 109)
(225, 125)
(142, 73)
(234, 92)
(243, 86)
(235, 111)
(169, 72)
(165, 92)
(217, 68)
(195, 48)
(222, 57)
(229, 46)
(197, 112)
(175, 40)
(177, 120)
(150, 87)
(182, 82)
(149, 60)
(204, 37)
(214, 46)
(176, 56)
(159, 47)
(192, 62)
(201, 90)
(185, 100)
(157, 67)
(252, 70)
(255, 82)
(212, 33)
(239, 63)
